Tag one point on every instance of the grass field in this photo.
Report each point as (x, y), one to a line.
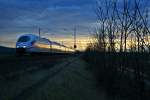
(11, 64)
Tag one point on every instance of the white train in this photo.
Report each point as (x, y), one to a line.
(31, 44)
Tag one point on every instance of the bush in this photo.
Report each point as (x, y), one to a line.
(121, 74)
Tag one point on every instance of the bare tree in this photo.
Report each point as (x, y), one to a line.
(129, 25)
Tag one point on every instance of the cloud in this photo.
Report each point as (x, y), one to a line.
(29, 13)
(53, 16)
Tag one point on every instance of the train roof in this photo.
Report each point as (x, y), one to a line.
(32, 36)
(56, 43)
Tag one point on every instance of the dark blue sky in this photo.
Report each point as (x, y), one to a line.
(53, 16)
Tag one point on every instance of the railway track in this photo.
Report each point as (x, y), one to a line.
(48, 74)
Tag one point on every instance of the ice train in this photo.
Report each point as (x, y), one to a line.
(32, 44)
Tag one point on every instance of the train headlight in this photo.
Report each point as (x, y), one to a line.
(17, 46)
(24, 46)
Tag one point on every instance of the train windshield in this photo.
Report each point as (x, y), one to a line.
(24, 39)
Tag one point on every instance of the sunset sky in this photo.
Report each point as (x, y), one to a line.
(56, 18)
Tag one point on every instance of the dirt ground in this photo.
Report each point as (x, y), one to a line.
(66, 80)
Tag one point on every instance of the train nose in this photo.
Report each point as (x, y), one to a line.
(22, 45)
